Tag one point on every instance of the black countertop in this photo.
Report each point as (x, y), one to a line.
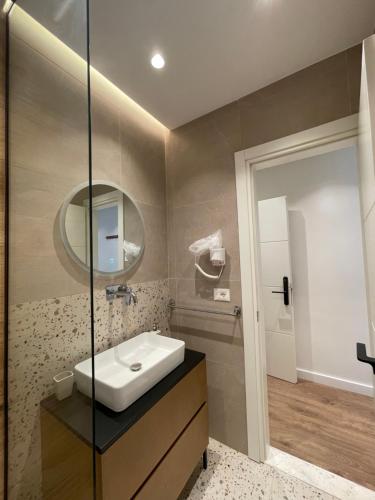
(76, 411)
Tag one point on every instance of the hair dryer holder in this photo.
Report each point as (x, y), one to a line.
(217, 258)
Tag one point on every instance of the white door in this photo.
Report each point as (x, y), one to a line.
(277, 288)
(366, 150)
(108, 231)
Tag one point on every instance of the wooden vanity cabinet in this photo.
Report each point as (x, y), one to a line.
(153, 459)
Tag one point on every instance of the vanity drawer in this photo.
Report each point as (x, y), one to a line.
(171, 475)
(123, 468)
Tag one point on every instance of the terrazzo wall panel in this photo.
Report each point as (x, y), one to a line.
(49, 315)
(51, 334)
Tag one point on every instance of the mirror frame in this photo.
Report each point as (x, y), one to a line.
(64, 237)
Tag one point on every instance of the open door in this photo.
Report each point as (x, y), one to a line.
(277, 288)
(367, 187)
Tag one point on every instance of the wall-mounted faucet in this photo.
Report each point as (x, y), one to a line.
(121, 291)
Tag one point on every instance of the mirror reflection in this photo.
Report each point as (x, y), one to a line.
(117, 225)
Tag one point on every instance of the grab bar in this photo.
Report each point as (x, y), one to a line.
(236, 311)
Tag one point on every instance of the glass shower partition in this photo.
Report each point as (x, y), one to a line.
(50, 317)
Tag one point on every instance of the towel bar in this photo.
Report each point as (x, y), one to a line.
(236, 311)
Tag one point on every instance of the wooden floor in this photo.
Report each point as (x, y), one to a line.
(328, 427)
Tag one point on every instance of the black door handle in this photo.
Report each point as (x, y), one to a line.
(362, 356)
(285, 291)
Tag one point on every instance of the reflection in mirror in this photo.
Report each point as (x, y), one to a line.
(118, 232)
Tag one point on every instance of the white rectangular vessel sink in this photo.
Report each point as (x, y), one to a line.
(125, 372)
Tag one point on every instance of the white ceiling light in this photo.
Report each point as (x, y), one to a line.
(157, 61)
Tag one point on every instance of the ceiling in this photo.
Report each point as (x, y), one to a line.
(216, 50)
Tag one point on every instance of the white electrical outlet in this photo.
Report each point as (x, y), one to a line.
(222, 294)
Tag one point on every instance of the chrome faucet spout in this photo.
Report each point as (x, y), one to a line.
(121, 291)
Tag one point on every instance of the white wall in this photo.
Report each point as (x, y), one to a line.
(327, 263)
(366, 142)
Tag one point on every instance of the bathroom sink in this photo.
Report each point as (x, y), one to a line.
(125, 372)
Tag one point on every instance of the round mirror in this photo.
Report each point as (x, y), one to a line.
(117, 228)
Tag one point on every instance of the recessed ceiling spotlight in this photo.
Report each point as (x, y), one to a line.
(157, 61)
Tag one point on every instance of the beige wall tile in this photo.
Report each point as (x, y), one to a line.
(311, 97)
(41, 277)
(154, 262)
(51, 149)
(143, 164)
(31, 237)
(48, 116)
(171, 242)
(202, 198)
(49, 156)
(36, 194)
(200, 293)
(36, 249)
(206, 170)
(219, 347)
(221, 339)
(354, 61)
(227, 405)
(106, 144)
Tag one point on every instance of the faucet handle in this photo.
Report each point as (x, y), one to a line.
(110, 292)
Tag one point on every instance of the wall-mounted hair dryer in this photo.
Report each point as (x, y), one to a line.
(214, 245)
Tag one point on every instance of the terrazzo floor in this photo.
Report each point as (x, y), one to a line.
(322, 479)
(233, 476)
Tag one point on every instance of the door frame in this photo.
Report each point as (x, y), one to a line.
(106, 200)
(325, 138)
